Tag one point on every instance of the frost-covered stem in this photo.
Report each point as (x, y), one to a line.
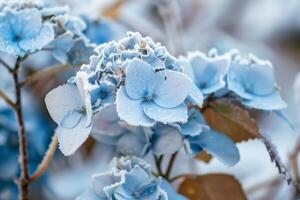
(170, 165)
(47, 158)
(158, 163)
(23, 158)
(294, 165)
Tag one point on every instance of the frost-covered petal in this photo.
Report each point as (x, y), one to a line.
(270, 102)
(71, 119)
(166, 140)
(71, 139)
(131, 110)
(251, 80)
(187, 68)
(82, 82)
(62, 100)
(172, 89)
(135, 178)
(44, 37)
(61, 45)
(218, 145)
(165, 115)
(195, 95)
(209, 72)
(139, 79)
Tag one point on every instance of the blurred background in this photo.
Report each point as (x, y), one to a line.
(268, 28)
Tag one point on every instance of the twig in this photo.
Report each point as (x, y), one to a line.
(9, 69)
(47, 158)
(7, 99)
(45, 73)
(293, 158)
(158, 163)
(170, 165)
(23, 158)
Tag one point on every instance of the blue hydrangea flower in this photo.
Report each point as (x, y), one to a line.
(148, 96)
(207, 72)
(70, 107)
(23, 31)
(129, 178)
(199, 137)
(254, 81)
(103, 95)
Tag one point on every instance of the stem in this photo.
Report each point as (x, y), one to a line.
(158, 163)
(170, 166)
(7, 99)
(5, 65)
(45, 73)
(23, 158)
(46, 160)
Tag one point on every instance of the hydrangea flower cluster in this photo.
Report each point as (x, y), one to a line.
(129, 178)
(137, 97)
(29, 26)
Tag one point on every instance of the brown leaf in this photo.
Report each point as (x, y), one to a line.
(212, 187)
(232, 120)
(204, 156)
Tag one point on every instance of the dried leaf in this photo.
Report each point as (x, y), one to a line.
(204, 156)
(232, 120)
(212, 187)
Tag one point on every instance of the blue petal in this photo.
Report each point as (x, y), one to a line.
(139, 79)
(166, 140)
(270, 102)
(131, 110)
(209, 72)
(61, 45)
(219, 145)
(45, 36)
(195, 124)
(172, 89)
(195, 95)
(62, 100)
(71, 139)
(282, 115)
(166, 115)
(71, 119)
(134, 179)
